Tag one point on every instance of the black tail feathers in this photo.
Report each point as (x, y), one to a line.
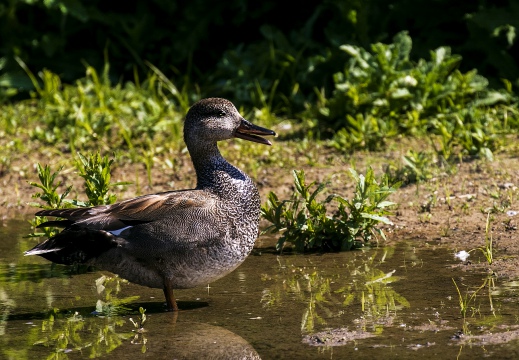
(74, 245)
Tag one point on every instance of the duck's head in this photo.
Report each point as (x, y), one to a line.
(215, 119)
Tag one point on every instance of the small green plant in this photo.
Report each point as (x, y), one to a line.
(5, 160)
(487, 250)
(95, 170)
(368, 206)
(49, 194)
(305, 222)
(48, 187)
(445, 230)
(94, 112)
(302, 219)
(417, 166)
(362, 132)
(425, 218)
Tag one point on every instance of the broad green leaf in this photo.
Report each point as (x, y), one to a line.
(382, 219)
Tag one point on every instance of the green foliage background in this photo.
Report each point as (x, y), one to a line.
(246, 49)
(78, 75)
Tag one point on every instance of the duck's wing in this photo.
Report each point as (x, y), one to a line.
(89, 232)
(142, 209)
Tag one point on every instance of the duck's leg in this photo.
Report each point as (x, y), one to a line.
(171, 303)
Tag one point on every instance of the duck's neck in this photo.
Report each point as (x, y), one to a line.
(213, 172)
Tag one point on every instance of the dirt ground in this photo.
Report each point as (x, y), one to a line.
(449, 210)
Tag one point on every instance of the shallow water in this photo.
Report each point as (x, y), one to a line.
(391, 303)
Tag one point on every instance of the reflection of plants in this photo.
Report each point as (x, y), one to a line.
(76, 333)
(61, 332)
(108, 288)
(468, 302)
(374, 300)
(378, 300)
(6, 306)
(99, 334)
(364, 288)
(139, 324)
(139, 337)
(305, 222)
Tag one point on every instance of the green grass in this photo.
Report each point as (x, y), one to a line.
(488, 249)
(95, 113)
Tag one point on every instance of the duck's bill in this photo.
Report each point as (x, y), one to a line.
(251, 132)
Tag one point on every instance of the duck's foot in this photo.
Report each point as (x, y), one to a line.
(171, 303)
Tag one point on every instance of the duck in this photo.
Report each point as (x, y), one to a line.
(176, 239)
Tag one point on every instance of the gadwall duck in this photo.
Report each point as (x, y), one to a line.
(174, 239)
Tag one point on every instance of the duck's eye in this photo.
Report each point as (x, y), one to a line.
(221, 114)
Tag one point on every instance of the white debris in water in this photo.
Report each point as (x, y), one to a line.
(462, 255)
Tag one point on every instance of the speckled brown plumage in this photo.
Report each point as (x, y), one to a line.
(175, 239)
